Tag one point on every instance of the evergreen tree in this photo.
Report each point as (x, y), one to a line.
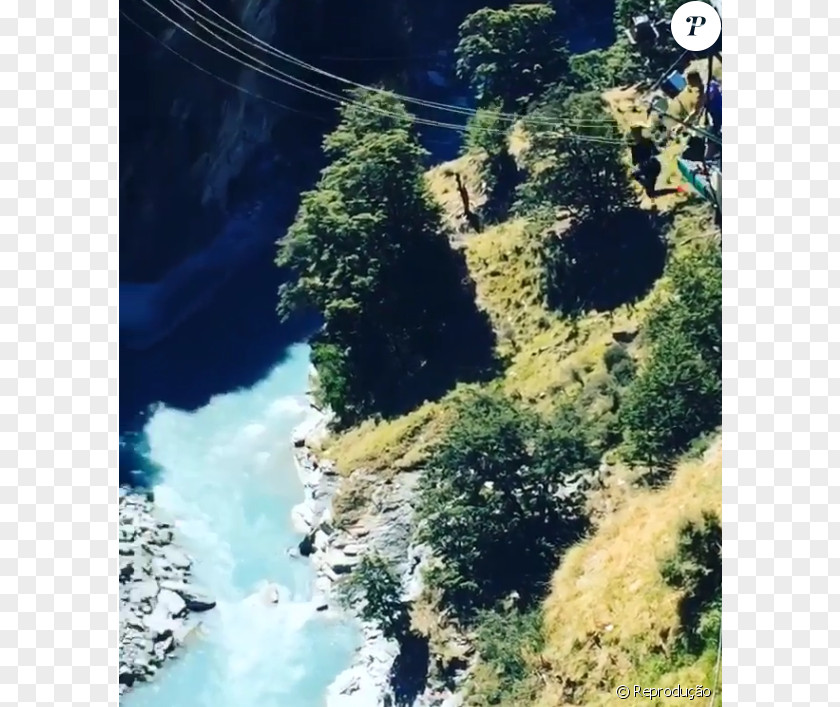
(369, 252)
(493, 504)
(677, 395)
(512, 55)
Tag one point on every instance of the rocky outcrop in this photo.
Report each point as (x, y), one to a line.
(386, 529)
(156, 601)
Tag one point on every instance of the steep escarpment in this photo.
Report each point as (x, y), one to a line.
(602, 377)
(204, 136)
(186, 134)
(513, 344)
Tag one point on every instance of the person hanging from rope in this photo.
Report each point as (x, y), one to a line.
(645, 157)
(469, 215)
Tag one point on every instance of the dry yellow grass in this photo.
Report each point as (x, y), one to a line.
(444, 188)
(388, 446)
(547, 354)
(609, 611)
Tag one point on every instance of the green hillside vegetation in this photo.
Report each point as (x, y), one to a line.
(566, 326)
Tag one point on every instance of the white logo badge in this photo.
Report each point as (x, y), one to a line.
(696, 26)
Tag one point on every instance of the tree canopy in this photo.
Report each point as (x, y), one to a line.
(510, 56)
(677, 395)
(488, 134)
(369, 252)
(494, 503)
(577, 166)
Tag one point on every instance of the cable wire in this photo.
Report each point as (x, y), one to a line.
(216, 76)
(302, 85)
(254, 41)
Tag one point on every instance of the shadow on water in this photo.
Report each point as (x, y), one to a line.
(234, 340)
(231, 343)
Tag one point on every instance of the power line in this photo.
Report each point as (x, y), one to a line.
(243, 35)
(216, 76)
(302, 85)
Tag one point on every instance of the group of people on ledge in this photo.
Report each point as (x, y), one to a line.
(695, 103)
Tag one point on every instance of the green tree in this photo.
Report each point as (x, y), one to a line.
(369, 252)
(677, 395)
(488, 137)
(696, 568)
(693, 301)
(511, 55)
(674, 399)
(506, 639)
(577, 166)
(374, 588)
(494, 503)
(602, 69)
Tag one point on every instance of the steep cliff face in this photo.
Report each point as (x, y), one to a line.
(196, 144)
(186, 134)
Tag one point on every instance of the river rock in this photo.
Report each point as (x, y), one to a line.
(164, 647)
(127, 676)
(126, 569)
(155, 600)
(321, 541)
(171, 602)
(176, 558)
(159, 624)
(339, 562)
(303, 518)
(162, 569)
(194, 598)
(141, 592)
(307, 546)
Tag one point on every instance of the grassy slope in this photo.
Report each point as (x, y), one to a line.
(610, 619)
(612, 578)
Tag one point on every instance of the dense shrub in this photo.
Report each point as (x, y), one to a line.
(495, 496)
(505, 639)
(374, 589)
(696, 569)
(677, 396)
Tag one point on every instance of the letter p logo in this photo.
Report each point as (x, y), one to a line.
(695, 22)
(696, 14)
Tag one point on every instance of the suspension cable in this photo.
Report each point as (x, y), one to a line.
(254, 41)
(302, 85)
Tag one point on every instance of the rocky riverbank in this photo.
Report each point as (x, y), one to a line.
(157, 602)
(385, 528)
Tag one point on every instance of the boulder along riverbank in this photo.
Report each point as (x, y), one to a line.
(158, 603)
(377, 677)
(161, 607)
